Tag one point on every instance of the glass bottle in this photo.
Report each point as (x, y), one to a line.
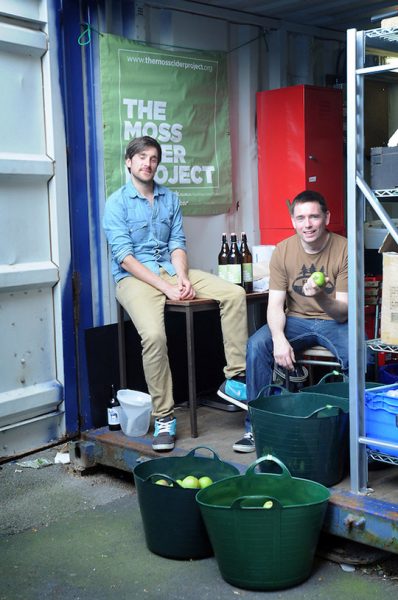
(234, 262)
(113, 411)
(223, 258)
(247, 264)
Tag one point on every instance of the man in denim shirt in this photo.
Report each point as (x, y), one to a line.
(143, 225)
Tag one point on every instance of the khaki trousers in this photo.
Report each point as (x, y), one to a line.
(145, 306)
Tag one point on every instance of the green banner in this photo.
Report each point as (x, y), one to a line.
(181, 99)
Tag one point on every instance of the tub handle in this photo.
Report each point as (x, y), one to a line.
(215, 455)
(333, 373)
(161, 476)
(260, 395)
(250, 471)
(257, 501)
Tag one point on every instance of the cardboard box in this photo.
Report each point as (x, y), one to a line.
(261, 257)
(390, 22)
(389, 301)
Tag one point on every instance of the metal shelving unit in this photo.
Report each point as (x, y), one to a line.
(382, 42)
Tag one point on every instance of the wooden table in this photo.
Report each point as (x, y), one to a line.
(188, 308)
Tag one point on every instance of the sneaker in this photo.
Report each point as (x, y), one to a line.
(246, 444)
(164, 436)
(234, 391)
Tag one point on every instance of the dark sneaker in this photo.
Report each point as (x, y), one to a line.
(164, 436)
(234, 391)
(246, 444)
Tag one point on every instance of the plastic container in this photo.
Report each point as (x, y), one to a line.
(381, 417)
(172, 521)
(388, 374)
(335, 388)
(261, 547)
(309, 432)
(135, 415)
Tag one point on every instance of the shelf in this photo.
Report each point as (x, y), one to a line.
(384, 458)
(386, 193)
(383, 41)
(383, 34)
(379, 346)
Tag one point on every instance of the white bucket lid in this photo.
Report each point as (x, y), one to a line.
(133, 398)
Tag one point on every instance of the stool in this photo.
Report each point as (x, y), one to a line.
(317, 356)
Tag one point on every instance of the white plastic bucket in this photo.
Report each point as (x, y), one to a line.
(135, 415)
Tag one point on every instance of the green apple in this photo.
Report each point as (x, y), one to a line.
(190, 482)
(179, 481)
(268, 504)
(205, 482)
(319, 278)
(162, 482)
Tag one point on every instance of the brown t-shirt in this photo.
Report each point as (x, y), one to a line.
(291, 266)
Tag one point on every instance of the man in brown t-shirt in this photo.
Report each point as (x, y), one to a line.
(300, 314)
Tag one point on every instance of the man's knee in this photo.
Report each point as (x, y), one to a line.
(240, 292)
(154, 339)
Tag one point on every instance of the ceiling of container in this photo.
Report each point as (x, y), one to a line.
(331, 14)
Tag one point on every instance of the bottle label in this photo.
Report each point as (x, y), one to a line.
(223, 271)
(113, 416)
(235, 274)
(247, 269)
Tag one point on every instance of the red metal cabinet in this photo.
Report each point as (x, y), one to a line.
(300, 147)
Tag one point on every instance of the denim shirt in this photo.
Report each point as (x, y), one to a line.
(148, 232)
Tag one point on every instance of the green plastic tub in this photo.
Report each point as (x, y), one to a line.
(172, 522)
(334, 388)
(264, 527)
(309, 432)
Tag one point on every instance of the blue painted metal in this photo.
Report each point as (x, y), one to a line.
(73, 97)
(68, 339)
(363, 519)
(91, 58)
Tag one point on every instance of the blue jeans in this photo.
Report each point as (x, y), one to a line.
(301, 334)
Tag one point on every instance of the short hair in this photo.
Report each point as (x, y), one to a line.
(309, 196)
(137, 145)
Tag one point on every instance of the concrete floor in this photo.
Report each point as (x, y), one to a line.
(73, 536)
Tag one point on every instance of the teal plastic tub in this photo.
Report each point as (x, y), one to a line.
(308, 432)
(264, 527)
(172, 522)
(334, 388)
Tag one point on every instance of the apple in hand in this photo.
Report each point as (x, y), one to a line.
(319, 278)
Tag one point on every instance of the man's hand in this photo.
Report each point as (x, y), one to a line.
(186, 290)
(183, 290)
(310, 288)
(284, 354)
(172, 292)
